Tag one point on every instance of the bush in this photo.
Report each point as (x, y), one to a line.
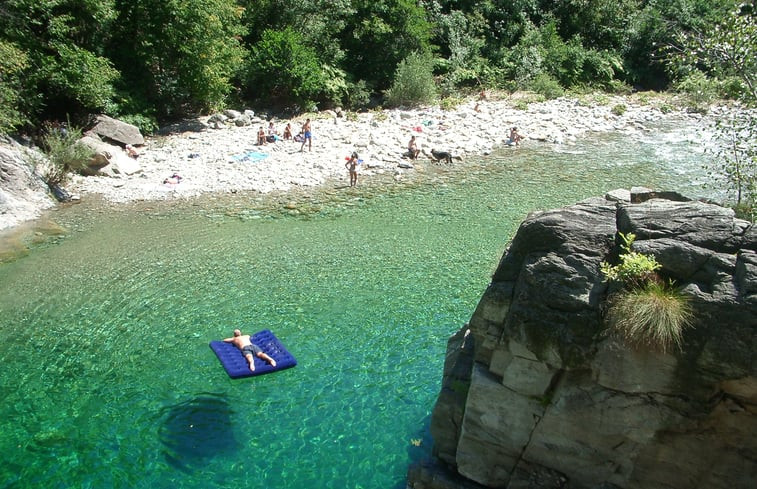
(617, 86)
(358, 95)
(619, 109)
(521, 105)
(647, 311)
(699, 90)
(652, 316)
(731, 88)
(634, 269)
(450, 103)
(748, 212)
(379, 115)
(547, 86)
(413, 82)
(147, 124)
(65, 153)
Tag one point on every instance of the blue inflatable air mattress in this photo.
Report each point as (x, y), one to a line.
(236, 365)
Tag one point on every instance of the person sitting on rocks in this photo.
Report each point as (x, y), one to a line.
(272, 136)
(261, 136)
(131, 151)
(514, 138)
(173, 179)
(288, 132)
(412, 148)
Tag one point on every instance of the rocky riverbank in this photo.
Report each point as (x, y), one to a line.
(224, 157)
(215, 155)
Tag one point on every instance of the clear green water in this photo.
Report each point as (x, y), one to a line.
(107, 379)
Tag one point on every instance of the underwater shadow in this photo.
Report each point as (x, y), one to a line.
(196, 430)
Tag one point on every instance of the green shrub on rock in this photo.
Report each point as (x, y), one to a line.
(652, 316)
(65, 154)
(634, 268)
(647, 311)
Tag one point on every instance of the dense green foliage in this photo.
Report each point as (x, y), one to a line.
(177, 56)
(149, 60)
(283, 68)
(413, 82)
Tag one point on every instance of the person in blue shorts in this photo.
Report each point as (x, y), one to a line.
(307, 136)
(248, 349)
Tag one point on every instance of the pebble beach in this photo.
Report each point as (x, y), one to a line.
(224, 157)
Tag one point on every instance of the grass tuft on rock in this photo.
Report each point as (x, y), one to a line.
(651, 316)
(647, 312)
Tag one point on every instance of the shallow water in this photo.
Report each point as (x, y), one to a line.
(107, 378)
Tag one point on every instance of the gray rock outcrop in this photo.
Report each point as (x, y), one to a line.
(23, 194)
(117, 131)
(108, 159)
(537, 394)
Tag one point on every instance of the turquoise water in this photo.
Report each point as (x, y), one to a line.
(107, 379)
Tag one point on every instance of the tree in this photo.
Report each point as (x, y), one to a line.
(599, 23)
(729, 48)
(381, 34)
(461, 39)
(13, 62)
(179, 55)
(413, 82)
(282, 70)
(318, 23)
(57, 48)
(735, 165)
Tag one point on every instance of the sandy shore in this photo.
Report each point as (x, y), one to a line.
(226, 159)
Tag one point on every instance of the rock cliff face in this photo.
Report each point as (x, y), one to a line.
(23, 194)
(536, 394)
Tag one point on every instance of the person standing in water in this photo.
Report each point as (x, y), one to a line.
(351, 166)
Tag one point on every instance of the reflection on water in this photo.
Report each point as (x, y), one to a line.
(107, 377)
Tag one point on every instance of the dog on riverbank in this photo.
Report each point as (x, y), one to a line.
(445, 156)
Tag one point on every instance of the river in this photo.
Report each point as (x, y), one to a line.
(107, 377)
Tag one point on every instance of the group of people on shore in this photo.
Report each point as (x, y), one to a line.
(305, 136)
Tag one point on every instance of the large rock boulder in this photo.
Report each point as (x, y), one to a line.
(117, 131)
(23, 194)
(537, 394)
(108, 159)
